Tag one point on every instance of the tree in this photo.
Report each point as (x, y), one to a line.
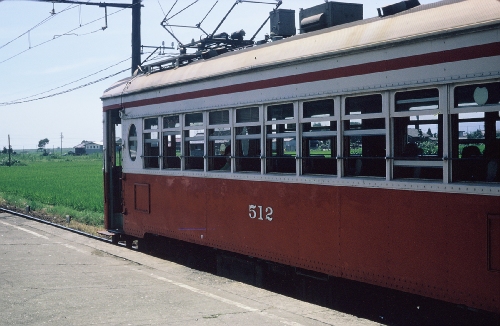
(478, 134)
(42, 143)
(6, 151)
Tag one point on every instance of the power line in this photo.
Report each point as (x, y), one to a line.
(67, 33)
(38, 25)
(53, 89)
(63, 92)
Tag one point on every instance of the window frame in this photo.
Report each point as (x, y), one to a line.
(237, 137)
(147, 160)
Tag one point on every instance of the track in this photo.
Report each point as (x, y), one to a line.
(29, 217)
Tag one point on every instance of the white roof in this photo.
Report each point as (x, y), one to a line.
(419, 22)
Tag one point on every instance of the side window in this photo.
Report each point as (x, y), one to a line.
(219, 141)
(475, 130)
(319, 137)
(364, 136)
(151, 144)
(280, 139)
(171, 142)
(418, 135)
(194, 141)
(248, 135)
(132, 142)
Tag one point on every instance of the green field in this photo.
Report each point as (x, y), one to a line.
(59, 185)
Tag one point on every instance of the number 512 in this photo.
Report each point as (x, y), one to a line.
(255, 211)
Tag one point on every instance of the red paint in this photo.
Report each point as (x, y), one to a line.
(431, 244)
(466, 53)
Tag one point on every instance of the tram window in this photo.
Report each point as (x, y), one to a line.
(171, 142)
(364, 136)
(363, 104)
(151, 143)
(280, 139)
(247, 148)
(218, 117)
(194, 141)
(171, 122)
(477, 95)
(219, 141)
(194, 119)
(246, 115)
(418, 136)
(132, 142)
(319, 138)
(425, 99)
(475, 130)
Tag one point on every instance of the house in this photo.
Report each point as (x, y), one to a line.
(88, 147)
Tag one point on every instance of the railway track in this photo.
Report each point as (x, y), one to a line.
(57, 225)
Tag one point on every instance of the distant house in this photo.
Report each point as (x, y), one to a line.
(88, 147)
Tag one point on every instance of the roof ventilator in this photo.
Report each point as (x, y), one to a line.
(329, 14)
(397, 8)
(282, 23)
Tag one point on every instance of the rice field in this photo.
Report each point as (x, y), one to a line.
(69, 185)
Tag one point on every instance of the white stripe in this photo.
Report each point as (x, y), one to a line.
(25, 230)
(221, 299)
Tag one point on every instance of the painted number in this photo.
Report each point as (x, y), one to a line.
(257, 212)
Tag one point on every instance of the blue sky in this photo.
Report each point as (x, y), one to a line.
(71, 45)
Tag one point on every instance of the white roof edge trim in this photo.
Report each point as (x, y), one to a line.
(468, 26)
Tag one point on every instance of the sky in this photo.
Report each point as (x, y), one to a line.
(42, 53)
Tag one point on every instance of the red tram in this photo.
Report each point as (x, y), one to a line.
(368, 151)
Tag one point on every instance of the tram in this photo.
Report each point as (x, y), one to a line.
(368, 151)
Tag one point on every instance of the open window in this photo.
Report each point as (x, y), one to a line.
(418, 135)
(194, 141)
(364, 136)
(281, 139)
(248, 136)
(475, 129)
(151, 144)
(171, 142)
(219, 141)
(319, 137)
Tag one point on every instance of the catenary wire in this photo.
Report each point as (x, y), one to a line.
(65, 91)
(68, 32)
(53, 89)
(39, 24)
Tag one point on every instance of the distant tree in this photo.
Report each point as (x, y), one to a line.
(478, 134)
(429, 132)
(42, 143)
(6, 151)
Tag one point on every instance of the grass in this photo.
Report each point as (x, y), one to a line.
(56, 185)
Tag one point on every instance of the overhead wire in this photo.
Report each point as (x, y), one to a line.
(38, 25)
(30, 99)
(67, 33)
(75, 81)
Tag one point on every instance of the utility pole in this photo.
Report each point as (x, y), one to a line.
(61, 142)
(136, 35)
(8, 150)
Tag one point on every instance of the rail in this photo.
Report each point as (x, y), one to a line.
(32, 218)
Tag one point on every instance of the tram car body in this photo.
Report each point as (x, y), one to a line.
(343, 151)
